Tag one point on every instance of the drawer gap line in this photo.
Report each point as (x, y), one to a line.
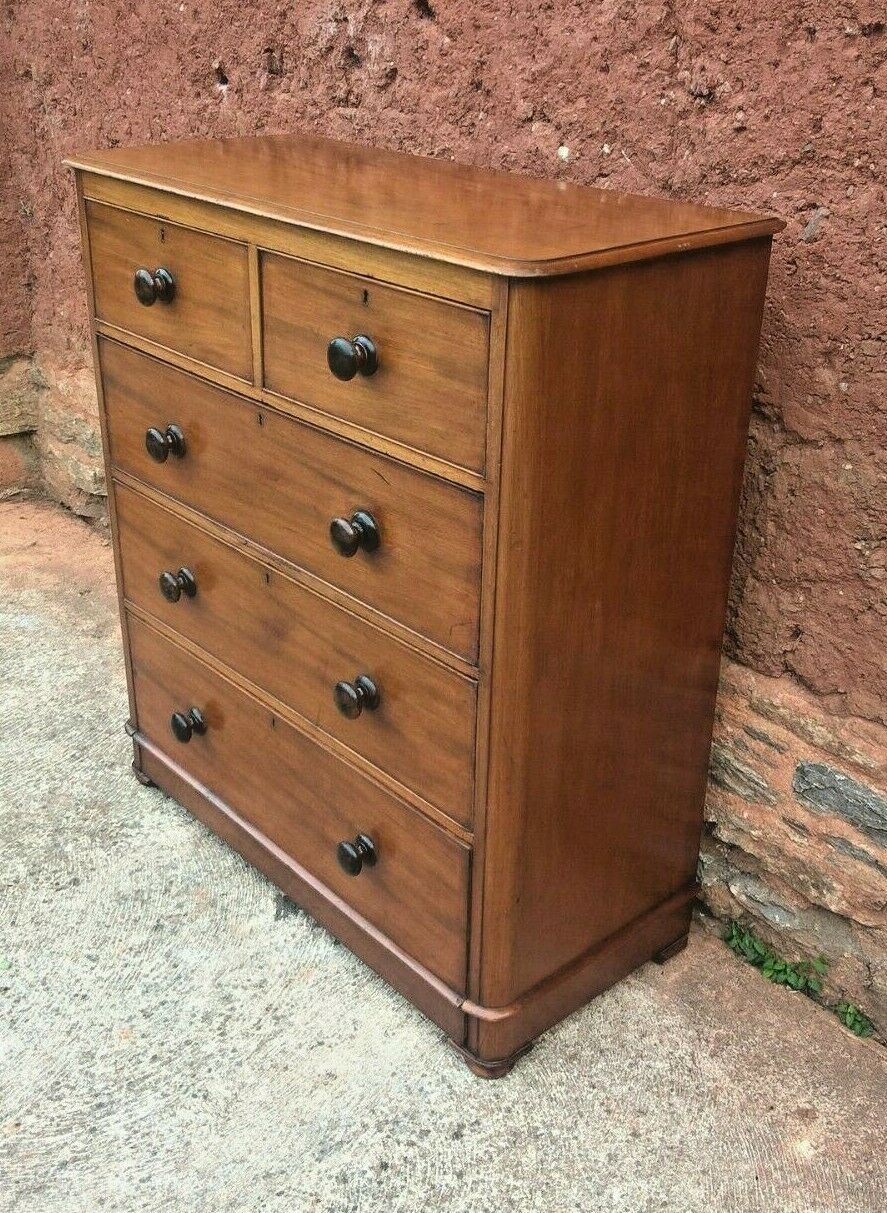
(301, 577)
(383, 779)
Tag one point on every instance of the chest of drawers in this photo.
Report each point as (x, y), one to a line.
(423, 485)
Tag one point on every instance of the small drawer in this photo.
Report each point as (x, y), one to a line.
(299, 647)
(282, 483)
(207, 316)
(429, 386)
(307, 802)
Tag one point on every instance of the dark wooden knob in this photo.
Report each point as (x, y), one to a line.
(184, 724)
(160, 444)
(358, 531)
(151, 288)
(358, 356)
(174, 585)
(352, 697)
(353, 855)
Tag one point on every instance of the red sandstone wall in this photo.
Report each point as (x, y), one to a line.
(778, 107)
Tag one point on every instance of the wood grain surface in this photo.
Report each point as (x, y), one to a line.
(281, 482)
(430, 390)
(613, 567)
(498, 222)
(306, 802)
(297, 646)
(208, 319)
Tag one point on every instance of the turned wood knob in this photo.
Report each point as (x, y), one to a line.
(150, 288)
(185, 724)
(174, 585)
(353, 855)
(358, 356)
(160, 444)
(352, 697)
(358, 531)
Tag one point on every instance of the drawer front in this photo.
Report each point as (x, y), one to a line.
(298, 646)
(281, 483)
(208, 317)
(307, 802)
(430, 388)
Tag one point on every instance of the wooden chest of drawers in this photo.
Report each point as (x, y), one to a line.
(423, 485)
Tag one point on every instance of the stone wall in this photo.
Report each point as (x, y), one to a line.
(796, 831)
(19, 463)
(777, 108)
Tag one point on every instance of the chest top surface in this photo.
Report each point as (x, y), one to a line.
(492, 221)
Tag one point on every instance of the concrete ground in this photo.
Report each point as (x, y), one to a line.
(175, 1035)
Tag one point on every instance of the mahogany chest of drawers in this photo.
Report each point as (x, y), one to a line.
(423, 484)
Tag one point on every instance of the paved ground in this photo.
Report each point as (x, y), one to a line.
(174, 1035)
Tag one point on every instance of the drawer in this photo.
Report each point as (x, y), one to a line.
(281, 483)
(298, 646)
(430, 388)
(208, 317)
(307, 802)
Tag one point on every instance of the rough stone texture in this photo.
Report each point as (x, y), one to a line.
(779, 109)
(809, 574)
(19, 468)
(18, 396)
(796, 841)
(19, 463)
(826, 790)
(176, 1035)
(69, 439)
(15, 310)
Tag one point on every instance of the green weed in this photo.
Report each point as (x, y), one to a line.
(805, 976)
(854, 1019)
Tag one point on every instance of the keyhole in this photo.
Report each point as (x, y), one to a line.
(366, 298)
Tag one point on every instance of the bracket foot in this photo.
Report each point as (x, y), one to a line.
(145, 780)
(489, 1069)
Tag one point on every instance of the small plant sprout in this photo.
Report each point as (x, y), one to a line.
(805, 976)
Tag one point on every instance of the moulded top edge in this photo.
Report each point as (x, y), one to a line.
(496, 222)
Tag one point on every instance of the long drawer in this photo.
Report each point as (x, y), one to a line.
(428, 384)
(282, 483)
(208, 315)
(298, 646)
(307, 802)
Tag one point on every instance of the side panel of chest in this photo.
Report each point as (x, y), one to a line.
(627, 401)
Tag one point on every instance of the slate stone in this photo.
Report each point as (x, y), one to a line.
(734, 776)
(826, 790)
(760, 735)
(860, 853)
